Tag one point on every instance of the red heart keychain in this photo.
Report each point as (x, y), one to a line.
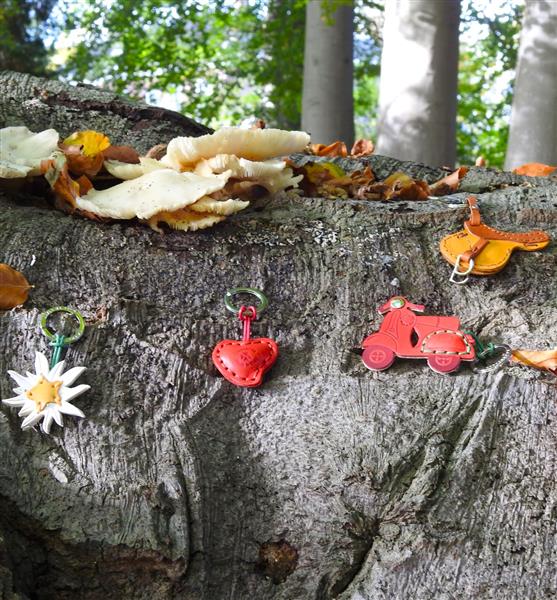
(244, 362)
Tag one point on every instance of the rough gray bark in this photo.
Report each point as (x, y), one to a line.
(41, 104)
(327, 99)
(396, 485)
(533, 131)
(418, 87)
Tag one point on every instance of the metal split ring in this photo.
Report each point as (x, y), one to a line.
(260, 307)
(64, 309)
(506, 350)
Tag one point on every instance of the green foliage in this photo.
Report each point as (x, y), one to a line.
(486, 74)
(226, 60)
(22, 25)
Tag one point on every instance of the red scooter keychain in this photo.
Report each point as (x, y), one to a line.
(244, 362)
(405, 334)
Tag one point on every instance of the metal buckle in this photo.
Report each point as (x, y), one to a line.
(457, 273)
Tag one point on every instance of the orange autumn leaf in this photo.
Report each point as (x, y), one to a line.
(56, 173)
(450, 183)
(535, 170)
(362, 148)
(539, 359)
(14, 288)
(90, 142)
(125, 154)
(480, 161)
(332, 150)
(80, 164)
(403, 187)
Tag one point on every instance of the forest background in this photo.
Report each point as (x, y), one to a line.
(223, 62)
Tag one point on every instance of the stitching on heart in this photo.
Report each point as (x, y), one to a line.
(234, 343)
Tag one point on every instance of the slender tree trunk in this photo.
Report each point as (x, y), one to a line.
(418, 89)
(327, 103)
(533, 133)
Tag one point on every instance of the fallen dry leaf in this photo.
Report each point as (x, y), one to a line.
(65, 188)
(448, 184)
(535, 170)
(539, 359)
(362, 148)
(480, 161)
(14, 288)
(336, 149)
(82, 164)
(91, 142)
(403, 187)
(125, 154)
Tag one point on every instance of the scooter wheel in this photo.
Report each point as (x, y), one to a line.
(377, 357)
(444, 363)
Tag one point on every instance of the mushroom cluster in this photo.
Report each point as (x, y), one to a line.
(196, 184)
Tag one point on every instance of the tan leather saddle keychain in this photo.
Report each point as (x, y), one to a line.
(482, 250)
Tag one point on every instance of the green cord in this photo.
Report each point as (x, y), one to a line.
(59, 343)
(482, 351)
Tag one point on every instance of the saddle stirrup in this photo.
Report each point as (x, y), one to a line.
(457, 273)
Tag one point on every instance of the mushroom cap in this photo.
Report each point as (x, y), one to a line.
(22, 151)
(122, 170)
(254, 144)
(152, 193)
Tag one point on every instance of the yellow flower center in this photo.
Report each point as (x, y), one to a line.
(44, 392)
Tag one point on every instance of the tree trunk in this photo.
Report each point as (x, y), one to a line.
(327, 101)
(533, 131)
(329, 481)
(418, 87)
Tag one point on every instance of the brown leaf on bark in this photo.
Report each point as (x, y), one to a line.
(480, 161)
(362, 148)
(14, 288)
(450, 183)
(336, 149)
(65, 188)
(539, 359)
(124, 154)
(156, 152)
(403, 187)
(535, 170)
(81, 164)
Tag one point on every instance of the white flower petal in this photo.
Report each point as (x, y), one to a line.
(70, 409)
(57, 416)
(27, 409)
(31, 420)
(46, 424)
(16, 401)
(70, 376)
(56, 371)
(19, 379)
(68, 394)
(41, 364)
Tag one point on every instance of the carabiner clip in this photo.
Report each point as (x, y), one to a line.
(457, 273)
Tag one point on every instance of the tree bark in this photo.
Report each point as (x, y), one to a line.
(533, 131)
(327, 99)
(418, 86)
(329, 481)
(43, 103)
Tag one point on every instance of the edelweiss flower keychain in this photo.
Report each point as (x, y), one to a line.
(244, 362)
(45, 395)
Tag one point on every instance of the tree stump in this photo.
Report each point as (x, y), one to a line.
(329, 481)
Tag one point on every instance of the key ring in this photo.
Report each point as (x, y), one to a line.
(52, 336)
(261, 306)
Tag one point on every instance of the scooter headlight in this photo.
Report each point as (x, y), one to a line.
(397, 303)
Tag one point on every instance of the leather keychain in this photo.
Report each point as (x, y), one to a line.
(45, 396)
(244, 362)
(482, 250)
